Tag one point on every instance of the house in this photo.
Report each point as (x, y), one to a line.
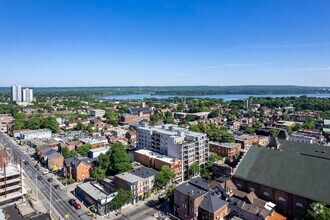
(74, 145)
(79, 168)
(55, 161)
(287, 175)
(131, 137)
(5, 120)
(246, 140)
(95, 142)
(97, 113)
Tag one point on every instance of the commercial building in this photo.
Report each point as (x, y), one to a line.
(27, 95)
(189, 147)
(139, 181)
(16, 93)
(95, 195)
(156, 161)
(292, 177)
(5, 120)
(98, 113)
(31, 134)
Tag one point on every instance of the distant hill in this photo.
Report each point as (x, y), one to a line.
(182, 90)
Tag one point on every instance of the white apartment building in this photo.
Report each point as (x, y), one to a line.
(189, 147)
(98, 113)
(31, 134)
(16, 93)
(27, 95)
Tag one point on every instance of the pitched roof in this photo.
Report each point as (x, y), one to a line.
(75, 161)
(298, 168)
(212, 203)
(135, 111)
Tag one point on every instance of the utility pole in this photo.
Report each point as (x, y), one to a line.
(37, 186)
(50, 198)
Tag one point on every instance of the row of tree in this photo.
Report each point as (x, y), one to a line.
(35, 122)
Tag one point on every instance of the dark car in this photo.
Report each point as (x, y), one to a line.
(50, 180)
(74, 203)
(26, 163)
(39, 177)
(36, 166)
(56, 186)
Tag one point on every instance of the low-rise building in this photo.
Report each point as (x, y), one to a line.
(98, 113)
(302, 138)
(32, 134)
(5, 120)
(99, 142)
(230, 150)
(94, 153)
(78, 168)
(95, 195)
(155, 160)
(139, 181)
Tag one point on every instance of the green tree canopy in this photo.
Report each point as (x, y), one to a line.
(98, 174)
(119, 159)
(164, 176)
(317, 211)
(83, 150)
(123, 197)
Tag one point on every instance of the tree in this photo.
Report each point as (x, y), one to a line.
(164, 176)
(170, 196)
(249, 130)
(51, 124)
(98, 174)
(84, 149)
(220, 135)
(19, 125)
(194, 169)
(214, 114)
(123, 197)
(67, 153)
(317, 211)
(119, 159)
(274, 132)
(19, 116)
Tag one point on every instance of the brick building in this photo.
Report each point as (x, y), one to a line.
(157, 161)
(79, 169)
(229, 150)
(292, 177)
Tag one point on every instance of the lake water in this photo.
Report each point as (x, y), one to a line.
(224, 97)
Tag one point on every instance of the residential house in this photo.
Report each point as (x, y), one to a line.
(79, 168)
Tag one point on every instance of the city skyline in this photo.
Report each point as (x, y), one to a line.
(164, 43)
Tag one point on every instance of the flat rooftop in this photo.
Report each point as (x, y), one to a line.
(152, 154)
(226, 145)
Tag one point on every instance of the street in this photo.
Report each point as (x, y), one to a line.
(59, 198)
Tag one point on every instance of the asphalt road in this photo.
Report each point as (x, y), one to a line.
(59, 198)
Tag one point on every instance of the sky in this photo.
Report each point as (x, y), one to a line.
(160, 43)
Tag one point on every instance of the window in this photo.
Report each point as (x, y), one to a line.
(281, 204)
(299, 210)
(265, 196)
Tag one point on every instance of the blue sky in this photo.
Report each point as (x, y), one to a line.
(154, 42)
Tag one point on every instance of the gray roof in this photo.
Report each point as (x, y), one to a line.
(191, 190)
(212, 203)
(143, 172)
(74, 161)
(54, 155)
(135, 111)
(297, 168)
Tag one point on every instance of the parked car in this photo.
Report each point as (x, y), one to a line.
(26, 163)
(46, 171)
(74, 203)
(50, 180)
(36, 166)
(39, 177)
(57, 186)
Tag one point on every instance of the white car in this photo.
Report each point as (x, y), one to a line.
(46, 171)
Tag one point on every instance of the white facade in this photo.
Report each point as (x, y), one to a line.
(98, 113)
(31, 134)
(27, 95)
(16, 93)
(302, 139)
(93, 153)
(189, 147)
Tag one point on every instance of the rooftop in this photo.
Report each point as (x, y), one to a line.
(153, 154)
(143, 172)
(226, 145)
(309, 164)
